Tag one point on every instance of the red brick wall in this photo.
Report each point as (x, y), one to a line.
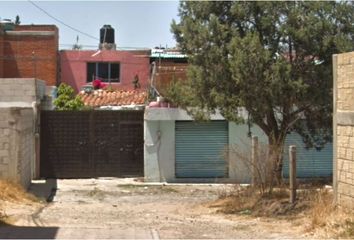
(167, 72)
(1, 54)
(74, 63)
(26, 56)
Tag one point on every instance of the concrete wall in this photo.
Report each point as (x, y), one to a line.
(74, 66)
(159, 149)
(17, 144)
(19, 124)
(30, 51)
(343, 128)
(21, 91)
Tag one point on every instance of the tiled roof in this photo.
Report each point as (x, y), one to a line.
(98, 98)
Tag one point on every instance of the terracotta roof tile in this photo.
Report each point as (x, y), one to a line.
(99, 98)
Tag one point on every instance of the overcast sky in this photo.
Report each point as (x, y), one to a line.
(138, 24)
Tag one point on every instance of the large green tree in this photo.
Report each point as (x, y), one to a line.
(273, 59)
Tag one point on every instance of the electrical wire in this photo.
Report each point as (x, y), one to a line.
(58, 20)
(95, 47)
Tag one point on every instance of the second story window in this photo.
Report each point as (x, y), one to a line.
(105, 71)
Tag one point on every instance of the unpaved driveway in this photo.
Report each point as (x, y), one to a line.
(123, 208)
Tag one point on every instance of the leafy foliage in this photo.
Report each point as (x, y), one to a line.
(67, 100)
(273, 59)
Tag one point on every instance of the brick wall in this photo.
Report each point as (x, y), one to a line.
(343, 121)
(1, 52)
(168, 71)
(30, 51)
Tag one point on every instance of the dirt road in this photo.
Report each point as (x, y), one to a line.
(123, 208)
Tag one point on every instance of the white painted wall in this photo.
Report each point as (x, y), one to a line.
(159, 149)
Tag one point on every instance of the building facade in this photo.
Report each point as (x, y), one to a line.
(119, 68)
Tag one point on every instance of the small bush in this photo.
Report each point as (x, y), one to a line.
(260, 170)
(67, 100)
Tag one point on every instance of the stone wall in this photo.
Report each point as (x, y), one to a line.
(343, 128)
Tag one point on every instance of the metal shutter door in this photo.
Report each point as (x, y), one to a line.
(199, 149)
(310, 162)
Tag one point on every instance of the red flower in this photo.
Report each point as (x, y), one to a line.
(96, 84)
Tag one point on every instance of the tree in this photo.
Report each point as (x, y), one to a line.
(67, 100)
(273, 59)
(17, 20)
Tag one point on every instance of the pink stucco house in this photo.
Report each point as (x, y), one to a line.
(117, 67)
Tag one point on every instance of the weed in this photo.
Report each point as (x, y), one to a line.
(322, 208)
(329, 220)
(167, 189)
(14, 192)
(348, 229)
(259, 165)
(96, 192)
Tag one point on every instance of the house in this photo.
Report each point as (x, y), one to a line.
(29, 51)
(121, 69)
(183, 141)
(178, 149)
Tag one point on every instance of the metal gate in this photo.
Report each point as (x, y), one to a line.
(199, 149)
(85, 144)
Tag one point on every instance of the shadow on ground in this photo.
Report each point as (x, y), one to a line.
(44, 189)
(15, 232)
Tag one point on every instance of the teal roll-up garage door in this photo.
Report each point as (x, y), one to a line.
(310, 163)
(199, 149)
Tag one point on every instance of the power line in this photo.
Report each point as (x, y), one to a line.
(58, 20)
(89, 45)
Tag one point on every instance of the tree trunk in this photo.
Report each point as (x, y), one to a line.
(276, 155)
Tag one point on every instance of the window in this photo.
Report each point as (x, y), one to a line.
(105, 71)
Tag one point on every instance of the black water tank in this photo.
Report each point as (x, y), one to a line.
(107, 34)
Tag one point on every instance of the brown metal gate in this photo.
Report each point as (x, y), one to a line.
(85, 144)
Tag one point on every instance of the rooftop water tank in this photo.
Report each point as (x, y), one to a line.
(107, 34)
